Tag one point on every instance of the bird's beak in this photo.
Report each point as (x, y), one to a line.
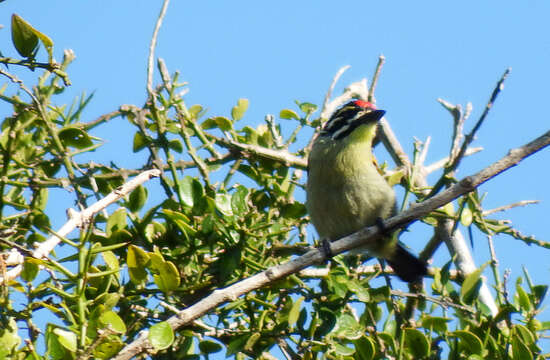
(372, 116)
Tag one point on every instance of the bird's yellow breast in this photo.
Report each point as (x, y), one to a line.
(345, 190)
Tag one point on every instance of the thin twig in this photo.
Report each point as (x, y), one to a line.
(471, 135)
(442, 302)
(152, 47)
(374, 82)
(31, 64)
(441, 163)
(509, 206)
(280, 155)
(328, 95)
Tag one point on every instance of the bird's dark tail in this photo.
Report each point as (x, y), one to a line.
(407, 266)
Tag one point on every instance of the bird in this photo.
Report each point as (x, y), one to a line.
(345, 191)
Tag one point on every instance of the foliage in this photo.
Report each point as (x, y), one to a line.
(225, 210)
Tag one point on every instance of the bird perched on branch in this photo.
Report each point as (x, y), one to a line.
(345, 191)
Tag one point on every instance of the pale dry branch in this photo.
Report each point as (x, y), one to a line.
(280, 155)
(152, 47)
(439, 164)
(78, 219)
(364, 236)
(509, 206)
(374, 82)
(328, 95)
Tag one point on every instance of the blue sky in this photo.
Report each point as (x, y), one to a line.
(276, 52)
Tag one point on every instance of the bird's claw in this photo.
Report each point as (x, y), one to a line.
(381, 225)
(325, 246)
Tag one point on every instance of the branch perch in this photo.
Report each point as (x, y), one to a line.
(363, 236)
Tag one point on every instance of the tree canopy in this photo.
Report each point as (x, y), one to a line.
(205, 248)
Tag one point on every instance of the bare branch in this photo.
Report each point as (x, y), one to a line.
(510, 206)
(31, 64)
(374, 82)
(152, 47)
(441, 163)
(441, 302)
(335, 79)
(280, 155)
(77, 219)
(363, 237)
(470, 137)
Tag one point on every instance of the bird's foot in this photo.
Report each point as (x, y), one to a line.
(325, 247)
(381, 225)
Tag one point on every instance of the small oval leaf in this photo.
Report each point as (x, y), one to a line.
(75, 137)
(161, 335)
(238, 111)
(288, 114)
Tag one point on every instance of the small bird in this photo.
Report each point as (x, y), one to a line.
(345, 191)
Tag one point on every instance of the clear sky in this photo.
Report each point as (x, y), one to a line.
(276, 52)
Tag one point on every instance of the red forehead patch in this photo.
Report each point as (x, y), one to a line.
(364, 104)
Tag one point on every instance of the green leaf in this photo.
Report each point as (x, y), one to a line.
(50, 168)
(137, 260)
(140, 141)
(41, 199)
(220, 122)
(110, 319)
(293, 210)
(539, 292)
(23, 37)
(223, 204)
(343, 350)
(469, 341)
(30, 270)
(348, 328)
(75, 137)
(161, 335)
(190, 190)
(328, 321)
(522, 299)
(466, 217)
(209, 347)
(181, 221)
(175, 145)
(55, 350)
(364, 348)
(236, 344)
(395, 178)
(294, 312)
(117, 221)
(9, 339)
(238, 111)
(520, 350)
(360, 291)
(337, 283)
(471, 285)
(66, 338)
(437, 324)
(252, 341)
(109, 348)
(307, 108)
(168, 278)
(525, 334)
(195, 111)
(239, 201)
(137, 198)
(111, 300)
(288, 114)
(417, 343)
